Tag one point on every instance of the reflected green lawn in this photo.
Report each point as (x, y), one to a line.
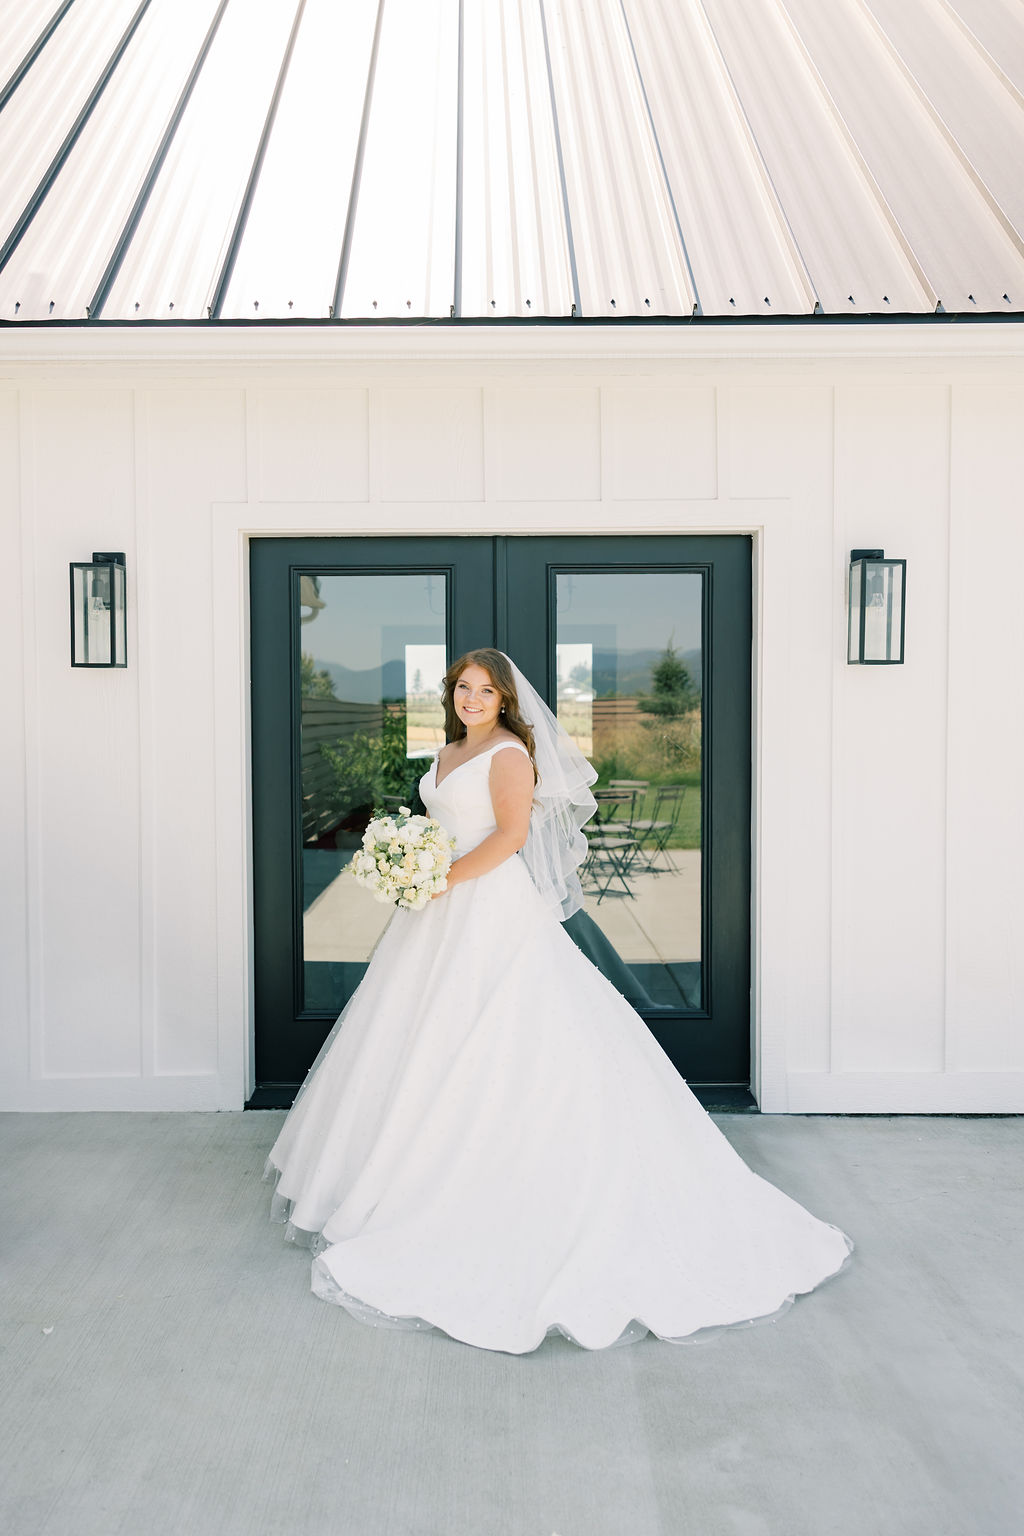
(686, 833)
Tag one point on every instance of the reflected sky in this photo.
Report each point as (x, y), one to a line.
(633, 610)
(367, 620)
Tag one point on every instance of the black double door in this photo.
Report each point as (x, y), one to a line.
(642, 647)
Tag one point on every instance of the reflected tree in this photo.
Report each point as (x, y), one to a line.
(314, 684)
(673, 690)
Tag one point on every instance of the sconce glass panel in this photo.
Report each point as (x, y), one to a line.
(99, 613)
(877, 609)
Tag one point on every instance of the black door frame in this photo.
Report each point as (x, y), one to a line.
(726, 563)
(487, 575)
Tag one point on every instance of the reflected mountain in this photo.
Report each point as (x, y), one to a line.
(624, 674)
(365, 687)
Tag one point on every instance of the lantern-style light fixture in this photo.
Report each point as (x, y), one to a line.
(877, 608)
(99, 624)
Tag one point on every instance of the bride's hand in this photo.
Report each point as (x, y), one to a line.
(449, 885)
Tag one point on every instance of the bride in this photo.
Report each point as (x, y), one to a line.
(491, 1142)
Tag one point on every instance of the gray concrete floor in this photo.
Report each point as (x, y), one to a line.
(165, 1368)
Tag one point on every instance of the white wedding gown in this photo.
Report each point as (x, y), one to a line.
(492, 1143)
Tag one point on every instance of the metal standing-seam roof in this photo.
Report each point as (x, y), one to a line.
(357, 159)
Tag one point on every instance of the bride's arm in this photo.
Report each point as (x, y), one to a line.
(511, 785)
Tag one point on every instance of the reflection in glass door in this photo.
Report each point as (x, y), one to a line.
(371, 655)
(629, 667)
(643, 648)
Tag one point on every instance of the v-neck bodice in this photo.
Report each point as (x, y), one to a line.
(462, 800)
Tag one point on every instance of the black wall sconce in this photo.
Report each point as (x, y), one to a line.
(99, 620)
(877, 608)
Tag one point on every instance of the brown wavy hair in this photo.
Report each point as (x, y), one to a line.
(497, 667)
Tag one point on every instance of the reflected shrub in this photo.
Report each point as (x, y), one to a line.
(365, 768)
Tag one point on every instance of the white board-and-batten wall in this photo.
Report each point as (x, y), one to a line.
(887, 821)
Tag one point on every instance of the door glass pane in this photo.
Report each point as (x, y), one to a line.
(630, 667)
(371, 655)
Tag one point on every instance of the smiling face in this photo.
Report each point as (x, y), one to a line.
(477, 701)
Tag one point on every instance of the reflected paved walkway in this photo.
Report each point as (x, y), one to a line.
(658, 924)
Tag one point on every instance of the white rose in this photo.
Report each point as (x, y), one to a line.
(425, 860)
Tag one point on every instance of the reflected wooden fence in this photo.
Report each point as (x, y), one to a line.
(337, 720)
(328, 721)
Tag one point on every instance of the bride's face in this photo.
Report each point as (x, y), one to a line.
(477, 701)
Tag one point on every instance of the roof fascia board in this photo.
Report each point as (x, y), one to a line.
(220, 345)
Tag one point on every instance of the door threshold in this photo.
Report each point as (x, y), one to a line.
(273, 1096)
(721, 1098)
(725, 1098)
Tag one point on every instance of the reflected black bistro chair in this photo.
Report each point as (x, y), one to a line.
(652, 835)
(612, 846)
(637, 788)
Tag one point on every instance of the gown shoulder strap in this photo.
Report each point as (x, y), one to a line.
(499, 745)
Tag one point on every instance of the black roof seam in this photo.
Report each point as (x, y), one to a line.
(127, 235)
(345, 255)
(459, 148)
(699, 310)
(573, 272)
(36, 49)
(53, 170)
(245, 208)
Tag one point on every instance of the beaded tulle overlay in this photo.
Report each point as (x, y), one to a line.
(492, 1143)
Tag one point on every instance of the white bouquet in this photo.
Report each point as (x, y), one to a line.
(404, 858)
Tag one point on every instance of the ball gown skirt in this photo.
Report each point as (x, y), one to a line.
(492, 1143)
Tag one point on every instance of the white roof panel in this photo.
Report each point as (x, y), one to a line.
(42, 110)
(399, 159)
(289, 252)
(996, 29)
(628, 251)
(943, 215)
(402, 257)
(57, 266)
(741, 252)
(22, 23)
(515, 248)
(850, 247)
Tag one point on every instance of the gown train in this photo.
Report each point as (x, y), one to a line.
(492, 1143)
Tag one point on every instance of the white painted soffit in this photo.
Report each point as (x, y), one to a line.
(494, 159)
